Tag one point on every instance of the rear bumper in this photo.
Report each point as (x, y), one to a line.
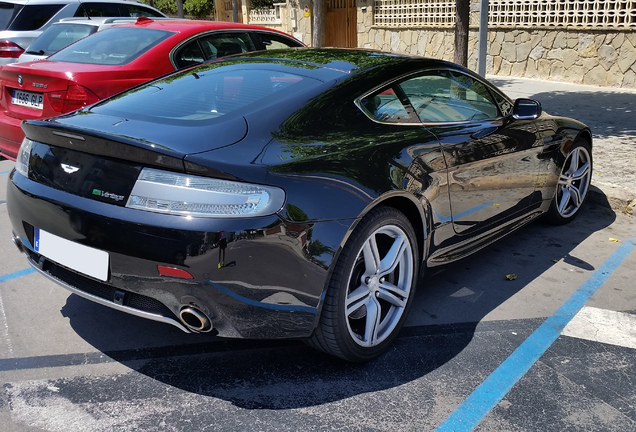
(104, 296)
(270, 285)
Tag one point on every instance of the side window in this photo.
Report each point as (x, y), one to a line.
(217, 45)
(212, 46)
(273, 41)
(32, 17)
(98, 10)
(386, 106)
(189, 55)
(135, 10)
(504, 105)
(447, 96)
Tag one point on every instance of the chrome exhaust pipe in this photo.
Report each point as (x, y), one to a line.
(195, 320)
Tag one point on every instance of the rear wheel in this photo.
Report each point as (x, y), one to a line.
(573, 184)
(371, 288)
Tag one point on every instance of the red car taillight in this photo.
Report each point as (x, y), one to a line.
(10, 50)
(75, 97)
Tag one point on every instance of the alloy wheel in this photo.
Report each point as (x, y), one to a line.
(574, 182)
(379, 286)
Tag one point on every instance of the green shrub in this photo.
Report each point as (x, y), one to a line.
(198, 8)
(262, 4)
(193, 8)
(169, 7)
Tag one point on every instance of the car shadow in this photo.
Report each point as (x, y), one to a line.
(282, 375)
(468, 290)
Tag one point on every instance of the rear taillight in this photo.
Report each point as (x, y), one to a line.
(75, 97)
(24, 155)
(10, 50)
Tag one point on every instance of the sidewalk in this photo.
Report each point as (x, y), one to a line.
(609, 112)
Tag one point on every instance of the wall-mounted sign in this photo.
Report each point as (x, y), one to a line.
(306, 11)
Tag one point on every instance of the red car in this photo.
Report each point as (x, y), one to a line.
(114, 60)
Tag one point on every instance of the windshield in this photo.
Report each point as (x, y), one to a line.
(207, 93)
(114, 46)
(58, 36)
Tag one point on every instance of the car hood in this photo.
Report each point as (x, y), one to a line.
(105, 134)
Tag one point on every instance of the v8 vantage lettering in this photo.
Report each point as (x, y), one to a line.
(108, 195)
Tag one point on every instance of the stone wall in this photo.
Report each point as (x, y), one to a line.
(596, 58)
(437, 43)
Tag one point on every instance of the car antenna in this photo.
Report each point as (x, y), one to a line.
(143, 20)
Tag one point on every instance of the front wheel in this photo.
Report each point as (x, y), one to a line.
(371, 288)
(573, 184)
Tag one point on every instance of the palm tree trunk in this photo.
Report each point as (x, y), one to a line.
(462, 18)
(318, 24)
(235, 11)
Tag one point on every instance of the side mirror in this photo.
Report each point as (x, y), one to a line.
(526, 109)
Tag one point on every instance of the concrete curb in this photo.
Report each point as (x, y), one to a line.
(615, 197)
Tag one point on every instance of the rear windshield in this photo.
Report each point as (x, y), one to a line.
(207, 93)
(57, 37)
(25, 18)
(114, 46)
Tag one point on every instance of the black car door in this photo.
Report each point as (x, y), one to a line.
(492, 161)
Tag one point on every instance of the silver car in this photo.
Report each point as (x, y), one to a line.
(22, 21)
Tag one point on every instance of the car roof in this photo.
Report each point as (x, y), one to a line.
(194, 26)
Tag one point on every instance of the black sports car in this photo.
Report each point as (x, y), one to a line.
(288, 194)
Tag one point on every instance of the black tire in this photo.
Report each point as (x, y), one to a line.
(573, 185)
(367, 300)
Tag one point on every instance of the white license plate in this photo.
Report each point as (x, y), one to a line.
(84, 259)
(28, 99)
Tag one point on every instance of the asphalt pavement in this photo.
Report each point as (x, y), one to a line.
(610, 113)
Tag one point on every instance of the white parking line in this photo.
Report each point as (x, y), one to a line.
(5, 338)
(605, 326)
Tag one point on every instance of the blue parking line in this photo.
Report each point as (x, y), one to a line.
(494, 388)
(5, 172)
(20, 273)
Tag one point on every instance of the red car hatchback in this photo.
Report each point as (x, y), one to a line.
(114, 60)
